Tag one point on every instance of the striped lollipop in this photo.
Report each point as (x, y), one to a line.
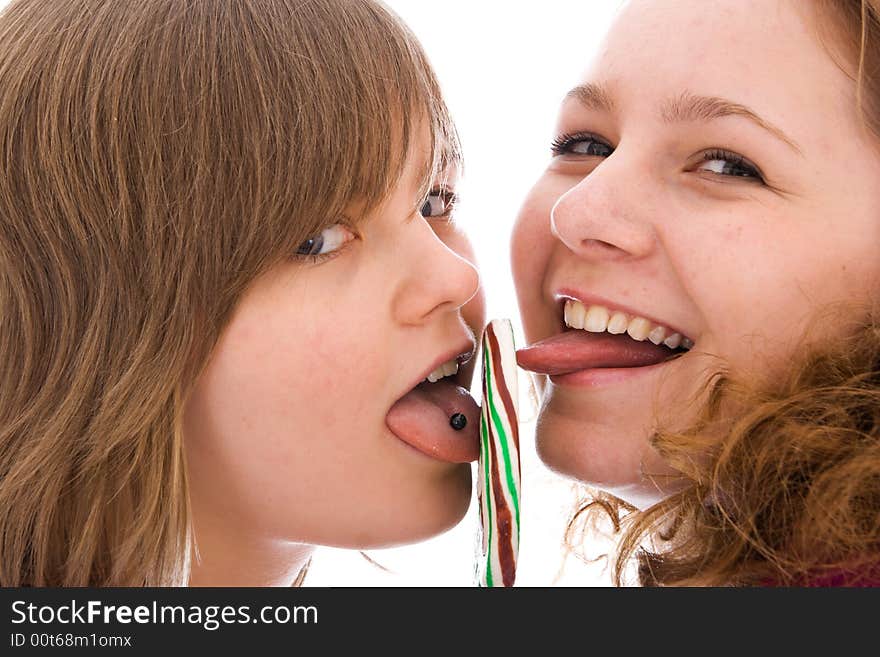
(498, 480)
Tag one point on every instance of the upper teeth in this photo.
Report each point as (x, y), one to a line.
(446, 369)
(598, 319)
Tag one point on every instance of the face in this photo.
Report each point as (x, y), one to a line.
(709, 174)
(286, 432)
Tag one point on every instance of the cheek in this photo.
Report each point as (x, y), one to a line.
(269, 407)
(760, 284)
(323, 379)
(531, 248)
(738, 278)
(278, 369)
(531, 237)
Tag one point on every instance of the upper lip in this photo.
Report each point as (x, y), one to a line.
(564, 294)
(462, 354)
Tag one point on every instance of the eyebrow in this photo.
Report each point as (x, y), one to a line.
(686, 108)
(593, 96)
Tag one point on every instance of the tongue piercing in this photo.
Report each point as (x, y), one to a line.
(458, 421)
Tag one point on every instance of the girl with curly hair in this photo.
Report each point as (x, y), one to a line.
(698, 274)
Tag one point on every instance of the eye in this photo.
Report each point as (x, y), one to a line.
(440, 202)
(725, 163)
(326, 243)
(580, 143)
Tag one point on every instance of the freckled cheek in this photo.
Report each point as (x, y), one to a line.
(749, 291)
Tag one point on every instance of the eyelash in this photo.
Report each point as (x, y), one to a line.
(563, 143)
(317, 258)
(736, 160)
(450, 201)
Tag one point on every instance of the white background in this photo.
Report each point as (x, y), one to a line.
(504, 67)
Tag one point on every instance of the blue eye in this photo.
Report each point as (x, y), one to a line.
(330, 240)
(580, 143)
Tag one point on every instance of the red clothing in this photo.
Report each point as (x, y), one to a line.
(846, 579)
(868, 578)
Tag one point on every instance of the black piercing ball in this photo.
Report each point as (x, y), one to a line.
(458, 421)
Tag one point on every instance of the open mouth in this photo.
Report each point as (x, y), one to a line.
(597, 337)
(423, 416)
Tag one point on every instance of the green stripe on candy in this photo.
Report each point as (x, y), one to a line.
(490, 523)
(499, 427)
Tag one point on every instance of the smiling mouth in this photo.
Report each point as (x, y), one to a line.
(600, 319)
(599, 338)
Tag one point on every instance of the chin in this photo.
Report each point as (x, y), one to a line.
(585, 454)
(588, 453)
(414, 518)
(557, 454)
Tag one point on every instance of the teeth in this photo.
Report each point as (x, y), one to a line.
(574, 316)
(446, 369)
(618, 323)
(639, 328)
(657, 335)
(598, 319)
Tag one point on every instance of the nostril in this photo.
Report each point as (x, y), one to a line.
(598, 244)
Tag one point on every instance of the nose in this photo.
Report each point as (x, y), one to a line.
(605, 215)
(437, 279)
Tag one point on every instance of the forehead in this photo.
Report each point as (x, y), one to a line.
(428, 162)
(762, 53)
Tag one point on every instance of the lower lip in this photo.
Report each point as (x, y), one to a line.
(603, 376)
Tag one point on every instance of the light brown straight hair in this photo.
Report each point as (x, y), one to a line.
(157, 158)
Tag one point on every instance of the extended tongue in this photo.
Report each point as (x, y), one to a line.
(581, 350)
(421, 418)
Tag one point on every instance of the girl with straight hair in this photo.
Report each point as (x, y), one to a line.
(227, 268)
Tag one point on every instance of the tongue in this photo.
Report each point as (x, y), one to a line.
(581, 350)
(421, 419)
